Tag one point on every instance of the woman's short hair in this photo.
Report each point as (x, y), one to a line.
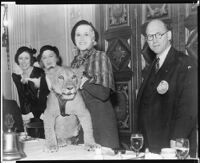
(83, 22)
(51, 48)
(30, 51)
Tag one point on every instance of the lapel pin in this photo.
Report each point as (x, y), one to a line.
(163, 87)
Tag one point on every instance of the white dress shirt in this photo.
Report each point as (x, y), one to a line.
(162, 56)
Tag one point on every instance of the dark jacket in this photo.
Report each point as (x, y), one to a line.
(96, 95)
(162, 117)
(97, 100)
(28, 94)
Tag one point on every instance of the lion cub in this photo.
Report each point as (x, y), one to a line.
(66, 111)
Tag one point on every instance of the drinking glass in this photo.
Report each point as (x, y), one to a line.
(25, 123)
(137, 141)
(182, 148)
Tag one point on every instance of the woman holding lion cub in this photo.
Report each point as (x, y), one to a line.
(96, 84)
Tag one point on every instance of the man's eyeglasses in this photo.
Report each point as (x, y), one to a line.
(157, 36)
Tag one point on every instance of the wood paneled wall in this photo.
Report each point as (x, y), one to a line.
(121, 28)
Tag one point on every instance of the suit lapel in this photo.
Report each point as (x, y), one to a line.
(160, 74)
(145, 80)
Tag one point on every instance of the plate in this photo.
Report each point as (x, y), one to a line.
(29, 139)
(132, 155)
(153, 156)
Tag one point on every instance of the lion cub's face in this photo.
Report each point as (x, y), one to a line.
(67, 82)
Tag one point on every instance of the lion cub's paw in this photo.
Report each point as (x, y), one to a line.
(50, 149)
(91, 147)
(63, 142)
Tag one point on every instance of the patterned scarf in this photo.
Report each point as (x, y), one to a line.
(97, 67)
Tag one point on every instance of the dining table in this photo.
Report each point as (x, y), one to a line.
(34, 149)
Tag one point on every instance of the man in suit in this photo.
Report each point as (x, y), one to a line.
(167, 99)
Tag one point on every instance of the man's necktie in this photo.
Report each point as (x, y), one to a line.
(157, 65)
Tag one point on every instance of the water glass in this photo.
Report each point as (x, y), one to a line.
(137, 141)
(182, 148)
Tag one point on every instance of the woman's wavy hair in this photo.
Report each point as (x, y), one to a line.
(30, 51)
(51, 48)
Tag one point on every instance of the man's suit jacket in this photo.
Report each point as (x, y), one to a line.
(172, 114)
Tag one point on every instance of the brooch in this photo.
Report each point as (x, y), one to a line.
(163, 87)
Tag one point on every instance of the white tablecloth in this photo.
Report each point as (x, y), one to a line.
(34, 151)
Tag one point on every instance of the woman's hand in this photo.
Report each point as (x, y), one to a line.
(36, 81)
(24, 80)
(83, 80)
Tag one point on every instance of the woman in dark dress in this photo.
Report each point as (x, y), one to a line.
(96, 83)
(28, 92)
